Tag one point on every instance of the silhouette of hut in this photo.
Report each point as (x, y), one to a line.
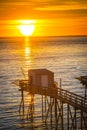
(41, 77)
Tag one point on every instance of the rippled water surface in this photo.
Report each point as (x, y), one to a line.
(65, 56)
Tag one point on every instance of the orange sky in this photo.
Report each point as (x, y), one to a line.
(53, 17)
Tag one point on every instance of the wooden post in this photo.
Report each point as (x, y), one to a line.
(81, 119)
(67, 116)
(22, 101)
(51, 111)
(56, 113)
(42, 107)
(60, 83)
(30, 111)
(45, 103)
(32, 106)
(75, 119)
(62, 114)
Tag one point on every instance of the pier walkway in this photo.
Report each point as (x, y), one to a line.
(56, 92)
(54, 99)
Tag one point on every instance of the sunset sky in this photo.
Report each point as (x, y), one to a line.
(52, 17)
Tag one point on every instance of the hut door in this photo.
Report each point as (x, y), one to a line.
(44, 80)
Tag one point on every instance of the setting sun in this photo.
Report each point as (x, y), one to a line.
(27, 27)
(27, 30)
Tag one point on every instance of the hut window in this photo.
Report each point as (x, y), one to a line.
(44, 80)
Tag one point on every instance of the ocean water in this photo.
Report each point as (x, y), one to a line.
(65, 56)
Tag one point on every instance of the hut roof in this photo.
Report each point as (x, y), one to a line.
(41, 71)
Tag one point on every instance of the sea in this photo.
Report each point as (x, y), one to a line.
(66, 56)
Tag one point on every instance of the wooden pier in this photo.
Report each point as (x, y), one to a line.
(54, 101)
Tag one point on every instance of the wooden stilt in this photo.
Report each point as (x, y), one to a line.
(42, 108)
(67, 116)
(20, 106)
(56, 113)
(22, 102)
(45, 103)
(51, 111)
(62, 115)
(81, 120)
(75, 119)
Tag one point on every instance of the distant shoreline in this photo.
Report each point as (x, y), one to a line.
(43, 36)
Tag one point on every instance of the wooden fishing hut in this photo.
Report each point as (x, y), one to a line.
(41, 78)
(54, 98)
(40, 81)
(83, 81)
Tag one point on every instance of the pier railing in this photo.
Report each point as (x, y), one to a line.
(73, 99)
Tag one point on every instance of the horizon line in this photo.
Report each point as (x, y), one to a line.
(43, 36)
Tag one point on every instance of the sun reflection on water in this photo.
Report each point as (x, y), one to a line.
(27, 52)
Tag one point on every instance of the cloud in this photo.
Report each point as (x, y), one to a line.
(47, 4)
(62, 7)
(42, 8)
(42, 3)
(59, 2)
